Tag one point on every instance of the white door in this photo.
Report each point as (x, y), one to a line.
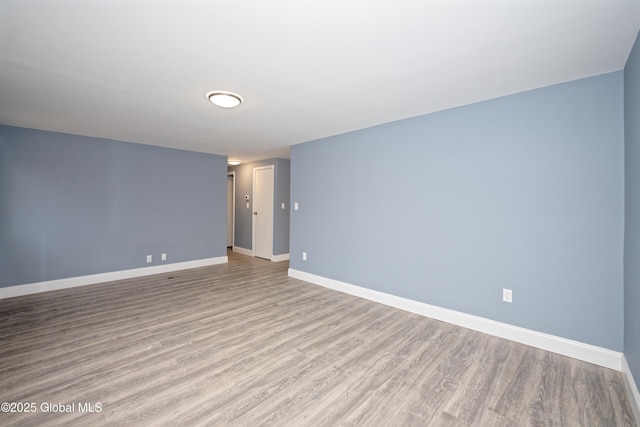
(263, 212)
(230, 209)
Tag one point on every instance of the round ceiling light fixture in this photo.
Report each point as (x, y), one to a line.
(233, 162)
(224, 99)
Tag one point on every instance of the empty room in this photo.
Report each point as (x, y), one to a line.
(320, 213)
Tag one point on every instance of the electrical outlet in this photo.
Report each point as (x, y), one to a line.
(149, 258)
(163, 257)
(507, 295)
(304, 256)
(295, 206)
(283, 205)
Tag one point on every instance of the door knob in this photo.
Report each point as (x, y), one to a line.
(255, 213)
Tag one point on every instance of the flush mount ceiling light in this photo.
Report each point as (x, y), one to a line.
(224, 99)
(233, 162)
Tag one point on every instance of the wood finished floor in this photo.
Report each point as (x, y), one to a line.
(242, 344)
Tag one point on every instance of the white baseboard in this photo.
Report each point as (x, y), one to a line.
(249, 252)
(632, 388)
(280, 258)
(243, 251)
(575, 349)
(72, 282)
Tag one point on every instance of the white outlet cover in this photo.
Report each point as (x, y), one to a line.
(295, 206)
(304, 256)
(163, 257)
(149, 258)
(507, 295)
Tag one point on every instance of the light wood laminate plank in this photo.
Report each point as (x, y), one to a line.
(242, 344)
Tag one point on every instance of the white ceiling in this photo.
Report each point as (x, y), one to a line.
(140, 70)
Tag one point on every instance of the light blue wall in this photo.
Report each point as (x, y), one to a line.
(72, 205)
(632, 212)
(244, 219)
(281, 216)
(524, 192)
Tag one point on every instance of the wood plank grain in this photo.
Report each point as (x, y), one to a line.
(242, 344)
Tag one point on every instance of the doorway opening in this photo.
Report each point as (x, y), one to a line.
(231, 208)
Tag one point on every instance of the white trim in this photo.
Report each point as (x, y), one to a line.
(232, 174)
(242, 251)
(273, 204)
(632, 388)
(280, 258)
(72, 282)
(575, 349)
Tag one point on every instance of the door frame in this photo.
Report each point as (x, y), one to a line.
(232, 174)
(253, 206)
